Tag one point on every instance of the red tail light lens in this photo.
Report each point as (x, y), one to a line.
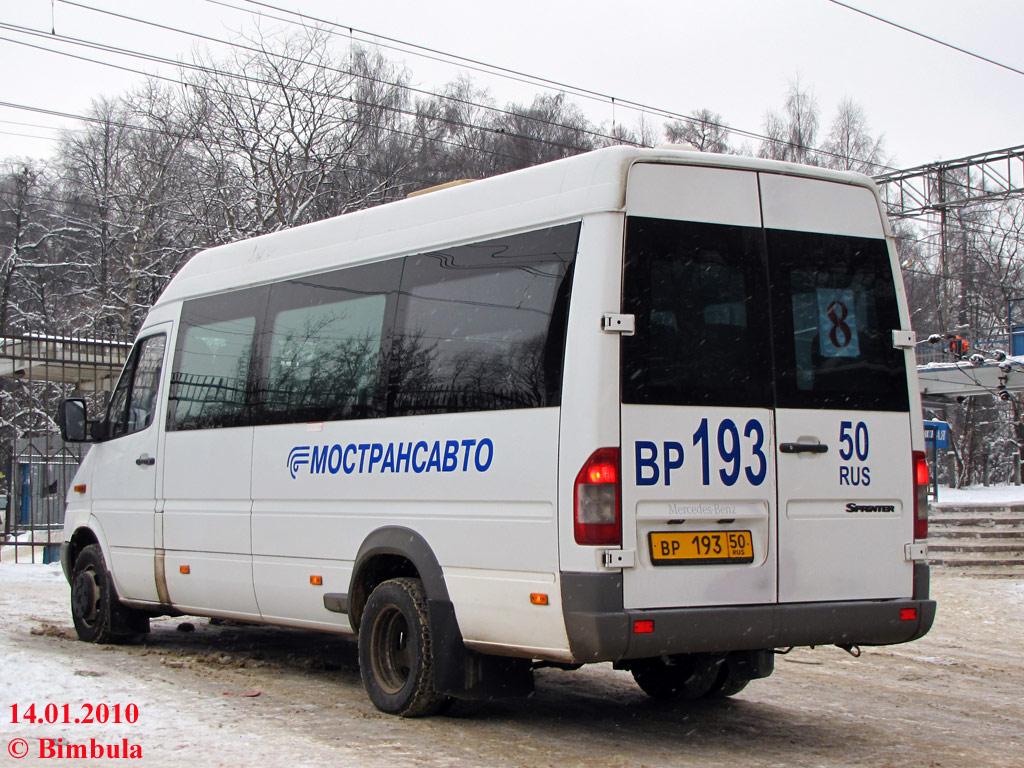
(920, 463)
(920, 469)
(597, 517)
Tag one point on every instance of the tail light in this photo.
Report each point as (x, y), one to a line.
(597, 519)
(920, 495)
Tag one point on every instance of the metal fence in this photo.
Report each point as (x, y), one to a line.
(36, 372)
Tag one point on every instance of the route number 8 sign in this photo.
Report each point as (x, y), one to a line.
(837, 324)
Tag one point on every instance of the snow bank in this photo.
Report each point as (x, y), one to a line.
(981, 496)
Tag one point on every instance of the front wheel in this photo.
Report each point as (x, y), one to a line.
(395, 658)
(98, 615)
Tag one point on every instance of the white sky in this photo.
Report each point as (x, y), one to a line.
(735, 57)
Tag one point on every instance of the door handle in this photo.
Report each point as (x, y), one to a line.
(145, 461)
(803, 448)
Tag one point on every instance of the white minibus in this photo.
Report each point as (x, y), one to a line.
(644, 406)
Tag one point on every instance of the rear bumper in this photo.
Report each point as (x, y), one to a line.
(600, 630)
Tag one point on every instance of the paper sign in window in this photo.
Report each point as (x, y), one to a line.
(837, 323)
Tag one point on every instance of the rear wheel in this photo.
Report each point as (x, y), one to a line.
(683, 676)
(98, 615)
(395, 658)
(726, 684)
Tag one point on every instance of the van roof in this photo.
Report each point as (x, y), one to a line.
(561, 190)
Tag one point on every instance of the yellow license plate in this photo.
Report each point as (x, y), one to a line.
(701, 547)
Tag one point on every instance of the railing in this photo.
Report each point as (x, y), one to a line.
(36, 372)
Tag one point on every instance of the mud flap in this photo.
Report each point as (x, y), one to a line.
(465, 674)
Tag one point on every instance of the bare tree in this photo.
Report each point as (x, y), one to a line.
(850, 145)
(289, 132)
(24, 237)
(793, 134)
(706, 130)
(123, 183)
(453, 134)
(549, 129)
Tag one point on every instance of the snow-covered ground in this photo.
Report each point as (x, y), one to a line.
(176, 725)
(981, 495)
(949, 699)
(238, 695)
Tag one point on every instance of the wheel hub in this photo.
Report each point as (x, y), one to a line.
(392, 659)
(85, 596)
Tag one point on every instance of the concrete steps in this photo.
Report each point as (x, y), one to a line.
(988, 538)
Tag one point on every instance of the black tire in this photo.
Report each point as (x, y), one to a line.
(395, 659)
(726, 684)
(96, 611)
(684, 676)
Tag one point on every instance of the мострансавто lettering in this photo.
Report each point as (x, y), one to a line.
(403, 457)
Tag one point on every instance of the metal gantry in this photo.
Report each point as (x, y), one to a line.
(938, 186)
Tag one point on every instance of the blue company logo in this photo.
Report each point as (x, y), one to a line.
(392, 458)
(299, 455)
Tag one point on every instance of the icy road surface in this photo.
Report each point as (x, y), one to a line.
(954, 698)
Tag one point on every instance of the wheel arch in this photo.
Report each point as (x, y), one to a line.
(388, 553)
(89, 532)
(394, 552)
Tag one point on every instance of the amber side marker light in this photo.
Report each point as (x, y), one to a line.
(316, 581)
(643, 627)
(538, 598)
(908, 614)
(79, 489)
(184, 569)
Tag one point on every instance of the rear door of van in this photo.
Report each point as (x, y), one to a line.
(845, 481)
(765, 431)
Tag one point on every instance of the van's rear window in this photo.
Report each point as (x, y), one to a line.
(834, 310)
(742, 316)
(697, 292)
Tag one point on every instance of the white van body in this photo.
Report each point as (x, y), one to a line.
(732, 332)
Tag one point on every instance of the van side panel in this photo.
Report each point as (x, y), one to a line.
(320, 489)
(208, 457)
(206, 521)
(415, 393)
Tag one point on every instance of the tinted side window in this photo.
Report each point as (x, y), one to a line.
(698, 294)
(323, 344)
(134, 402)
(209, 381)
(482, 327)
(835, 310)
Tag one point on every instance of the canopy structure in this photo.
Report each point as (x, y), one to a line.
(965, 378)
(90, 364)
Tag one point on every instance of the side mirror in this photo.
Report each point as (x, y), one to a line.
(73, 421)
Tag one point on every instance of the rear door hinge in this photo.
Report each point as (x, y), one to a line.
(904, 339)
(618, 558)
(615, 323)
(916, 551)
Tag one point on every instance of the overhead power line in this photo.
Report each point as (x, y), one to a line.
(221, 73)
(928, 37)
(248, 78)
(261, 51)
(520, 76)
(312, 22)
